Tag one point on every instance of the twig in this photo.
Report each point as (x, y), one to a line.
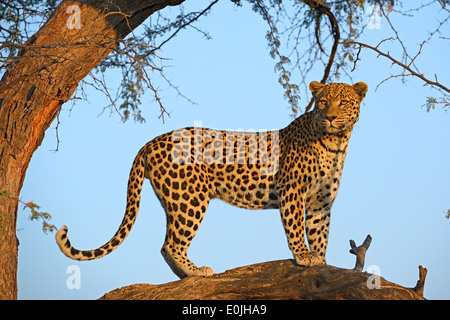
(379, 43)
(397, 37)
(419, 52)
(392, 76)
(360, 252)
(442, 3)
(58, 122)
(184, 25)
(357, 59)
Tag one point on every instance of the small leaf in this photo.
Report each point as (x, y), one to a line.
(30, 204)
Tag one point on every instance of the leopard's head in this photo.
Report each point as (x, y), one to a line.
(337, 105)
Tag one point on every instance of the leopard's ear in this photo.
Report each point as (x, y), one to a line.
(360, 88)
(315, 87)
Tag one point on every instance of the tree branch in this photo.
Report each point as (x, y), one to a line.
(395, 61)
(323, 10)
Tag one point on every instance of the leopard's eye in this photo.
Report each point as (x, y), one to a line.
(343, 102)
(322, 103)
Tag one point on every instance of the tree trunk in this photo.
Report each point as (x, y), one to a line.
(52, 62)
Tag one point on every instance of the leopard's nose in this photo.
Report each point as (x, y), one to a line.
(331, 118)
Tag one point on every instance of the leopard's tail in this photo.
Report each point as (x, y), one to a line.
(135, 182)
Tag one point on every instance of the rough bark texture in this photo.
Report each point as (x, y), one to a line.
(273, 280)
(44, 76)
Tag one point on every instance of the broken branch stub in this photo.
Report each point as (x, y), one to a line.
(360, 252)
(421, 282)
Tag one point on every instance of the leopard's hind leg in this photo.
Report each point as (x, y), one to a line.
(183, 220)
(185, 198)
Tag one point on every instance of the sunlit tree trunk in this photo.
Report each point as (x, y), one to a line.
(75, 39)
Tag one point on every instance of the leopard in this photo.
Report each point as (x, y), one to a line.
(296, 169)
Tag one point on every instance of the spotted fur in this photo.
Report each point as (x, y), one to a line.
(296, 169)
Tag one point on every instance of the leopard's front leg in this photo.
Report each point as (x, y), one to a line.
(317, 227)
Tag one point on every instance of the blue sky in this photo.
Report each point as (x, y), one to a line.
(394, 186)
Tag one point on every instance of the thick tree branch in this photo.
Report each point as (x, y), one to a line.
(273, 280)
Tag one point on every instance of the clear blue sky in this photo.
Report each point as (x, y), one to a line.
(395, 183)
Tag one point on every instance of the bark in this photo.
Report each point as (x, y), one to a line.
(38, 82)
(273, 280)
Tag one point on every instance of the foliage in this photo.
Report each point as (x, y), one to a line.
(289, 24)
(299, 38)
(39, 215)
(303, 36)
(431, 103)
(36, 214)
(137, 59)
(292, 92)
